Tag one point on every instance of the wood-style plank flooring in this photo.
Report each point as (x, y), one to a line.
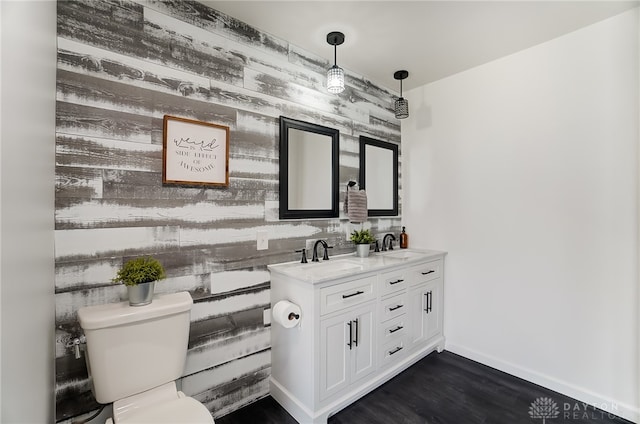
(443, 389)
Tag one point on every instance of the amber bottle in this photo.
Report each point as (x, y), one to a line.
(404, 239)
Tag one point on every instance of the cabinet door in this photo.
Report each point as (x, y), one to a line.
(347, 342)
(363, 353)
(335, 359)
(425, 312)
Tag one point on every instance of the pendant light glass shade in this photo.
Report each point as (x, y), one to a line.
(335, 74)
(401, 106)
(335, 79)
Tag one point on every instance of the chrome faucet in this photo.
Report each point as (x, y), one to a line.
(384, 241)
(326, 248)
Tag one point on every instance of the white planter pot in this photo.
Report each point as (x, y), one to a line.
(142, 294)
(362, 250)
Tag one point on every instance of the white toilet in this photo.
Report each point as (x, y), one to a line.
(134, 354)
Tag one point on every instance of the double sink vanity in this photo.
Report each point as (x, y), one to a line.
(363, 320)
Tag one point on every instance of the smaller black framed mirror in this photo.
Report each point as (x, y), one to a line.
(379, 175)
(309, 170)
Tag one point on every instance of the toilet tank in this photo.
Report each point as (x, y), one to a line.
(131, 349)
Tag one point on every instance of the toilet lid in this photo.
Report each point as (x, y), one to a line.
(182, 410)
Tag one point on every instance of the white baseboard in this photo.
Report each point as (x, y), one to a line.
(620, 409)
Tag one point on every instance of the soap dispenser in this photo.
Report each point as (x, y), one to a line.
(404, 239)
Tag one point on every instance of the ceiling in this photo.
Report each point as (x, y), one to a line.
(430, 39)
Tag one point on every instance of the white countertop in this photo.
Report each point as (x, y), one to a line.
(349, 264)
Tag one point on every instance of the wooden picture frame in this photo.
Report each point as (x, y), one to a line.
(194, 153)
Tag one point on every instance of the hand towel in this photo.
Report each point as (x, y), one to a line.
(355, 205)
(346, 196)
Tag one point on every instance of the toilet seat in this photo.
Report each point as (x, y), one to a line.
(185, 410)
(162, 404)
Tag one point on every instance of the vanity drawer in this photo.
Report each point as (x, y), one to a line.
(394, 329)
(334, 298)
(391, 282)
(392, 352)
(393, 307)
(426, 272)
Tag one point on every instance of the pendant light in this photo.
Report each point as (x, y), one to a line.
(335, 74)
(401, 106)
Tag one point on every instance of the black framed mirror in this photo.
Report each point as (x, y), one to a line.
(379, 176)
(309, 170)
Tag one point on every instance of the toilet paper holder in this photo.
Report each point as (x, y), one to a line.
(286, 313)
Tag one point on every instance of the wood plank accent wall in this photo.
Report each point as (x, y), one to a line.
(123, 65)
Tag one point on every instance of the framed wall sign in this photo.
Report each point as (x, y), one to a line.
(195, 153)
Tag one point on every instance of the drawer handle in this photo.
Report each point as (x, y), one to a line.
(396, 350)
(395, 307)
(395, 282)
(429, 272)
(393, 330)
(344, 296)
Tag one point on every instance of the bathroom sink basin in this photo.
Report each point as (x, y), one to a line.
(316, 271)
(377, 260)
(402, 255)
(330, 268)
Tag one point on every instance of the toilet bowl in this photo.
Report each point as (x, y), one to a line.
(135, 354)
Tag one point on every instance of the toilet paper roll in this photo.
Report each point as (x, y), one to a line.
(286, 314)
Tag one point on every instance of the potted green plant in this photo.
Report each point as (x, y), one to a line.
(140, 275)
(363, 240)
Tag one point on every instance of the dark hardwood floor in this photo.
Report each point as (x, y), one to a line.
(444, 389)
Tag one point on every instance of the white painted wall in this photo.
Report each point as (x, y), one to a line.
(526, 171)
(28, 73)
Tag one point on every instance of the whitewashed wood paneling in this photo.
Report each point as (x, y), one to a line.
(221, 351)
(123, 65)
(229, 371)
(196, 236)
(229, 305)
(102, 242)
(100, 213)
(228, 281)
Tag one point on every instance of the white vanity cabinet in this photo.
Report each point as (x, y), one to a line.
(362, 322)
